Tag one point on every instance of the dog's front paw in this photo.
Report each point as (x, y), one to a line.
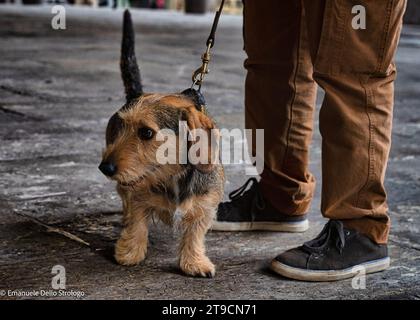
(198, 267)
(128, 253)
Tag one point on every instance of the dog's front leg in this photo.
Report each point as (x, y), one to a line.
(131, 247)
(192, 257)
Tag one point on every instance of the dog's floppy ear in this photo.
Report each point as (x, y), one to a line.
(129, 69)
(203, 142)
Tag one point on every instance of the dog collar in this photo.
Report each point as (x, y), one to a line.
(198, 99)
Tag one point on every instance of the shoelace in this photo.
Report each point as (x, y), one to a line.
(333, 230)
(241, 191)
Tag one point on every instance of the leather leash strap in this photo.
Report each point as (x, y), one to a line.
(198, 75)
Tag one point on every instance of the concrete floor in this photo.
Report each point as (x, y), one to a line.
(57, 90)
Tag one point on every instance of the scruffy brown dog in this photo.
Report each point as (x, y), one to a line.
(183, 194)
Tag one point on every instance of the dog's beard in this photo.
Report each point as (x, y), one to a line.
(132, 183)
(149, 173)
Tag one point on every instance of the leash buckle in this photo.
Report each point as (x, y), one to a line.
(198, 75)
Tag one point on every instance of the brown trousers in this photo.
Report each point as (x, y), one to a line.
(293, 45)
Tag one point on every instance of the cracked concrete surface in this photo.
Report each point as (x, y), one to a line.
(57, 90)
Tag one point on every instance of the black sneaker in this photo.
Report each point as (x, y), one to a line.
(248, 211)
(337, 253)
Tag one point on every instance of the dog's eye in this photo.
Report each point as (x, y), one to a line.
(146, 133)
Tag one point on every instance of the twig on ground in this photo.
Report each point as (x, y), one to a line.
(54, 229)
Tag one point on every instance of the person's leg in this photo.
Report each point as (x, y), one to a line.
(279, 98)
(356, 70)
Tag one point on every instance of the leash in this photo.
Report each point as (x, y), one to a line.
(199, 74)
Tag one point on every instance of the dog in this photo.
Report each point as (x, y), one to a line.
(185, 194)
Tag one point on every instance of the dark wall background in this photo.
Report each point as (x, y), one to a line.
(412, 14)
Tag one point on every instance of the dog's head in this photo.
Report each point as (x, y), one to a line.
(134, 133)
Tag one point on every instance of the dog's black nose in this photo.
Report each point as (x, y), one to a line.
(108, 168)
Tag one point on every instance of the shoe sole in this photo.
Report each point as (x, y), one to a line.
(329, 275)
(297, 226)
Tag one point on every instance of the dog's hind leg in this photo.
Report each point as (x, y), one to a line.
(192, 256)
(131, 247)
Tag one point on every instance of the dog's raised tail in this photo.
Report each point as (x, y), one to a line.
(129, 68)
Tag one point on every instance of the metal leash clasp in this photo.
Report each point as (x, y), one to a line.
(198, 75)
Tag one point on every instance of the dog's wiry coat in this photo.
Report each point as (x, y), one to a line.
(184, 194)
